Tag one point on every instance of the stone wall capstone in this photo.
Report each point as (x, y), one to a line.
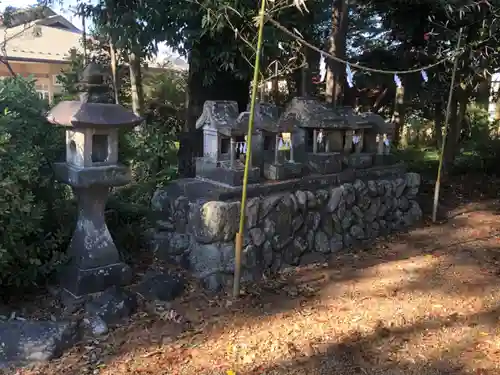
(281, 230)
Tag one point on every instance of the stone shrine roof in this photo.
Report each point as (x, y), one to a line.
(315, 114)
(223, 116)
(266, 118)
(79, 114)
(377, 122)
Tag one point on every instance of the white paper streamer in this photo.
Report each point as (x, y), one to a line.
(322, 68)
(356, 139)
(320, 137)
(349, 76)
(241, 147)
(397, 81)
(423, 73)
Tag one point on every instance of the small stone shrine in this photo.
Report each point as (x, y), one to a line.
(224, 144)
(321, 140)
(272, 152)
(325, 138)
(317, 139)
(378, 138)
(91, 169)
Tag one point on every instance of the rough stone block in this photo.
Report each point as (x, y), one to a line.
(24, 342)
(231, 177)
(285, 171)
(110, 175)
(78, 282)
(325, 163)
(294, 221)
(384, 159)
(359, 161)
(274, 171)
(161, 286)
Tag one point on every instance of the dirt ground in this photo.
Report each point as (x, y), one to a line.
(424, 302)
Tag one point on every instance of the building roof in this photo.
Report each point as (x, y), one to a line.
(35, 42)
(167, 62)
(52, 38)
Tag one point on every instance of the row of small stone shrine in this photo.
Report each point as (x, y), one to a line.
(320, 140)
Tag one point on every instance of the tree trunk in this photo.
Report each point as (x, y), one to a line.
(337, 47)
(275, 89)
(398, 117)
(438, 124)
(303, 82)
(451, 137)
(297, 78)
(463, 101)
(114, 75)
(224, 86)
(379, 101)
(4, 61)
(137, 91)
(483, 93)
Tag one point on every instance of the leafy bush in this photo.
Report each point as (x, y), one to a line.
(481, 128)
(34, 215)
(152, 150)
(481, 152)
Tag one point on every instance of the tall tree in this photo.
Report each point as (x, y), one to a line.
(337, 43)
(425, 32)
(217, 36)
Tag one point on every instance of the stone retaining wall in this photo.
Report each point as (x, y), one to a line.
(282, 230)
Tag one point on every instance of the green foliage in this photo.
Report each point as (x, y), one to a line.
(421, 160)
(482, 151)
(481, 128)
(152, 150)
(69, 77)
(33, 212)
(127, 214)
(37, 214)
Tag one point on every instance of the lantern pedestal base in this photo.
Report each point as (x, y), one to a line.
(94, 261)
(78, 283)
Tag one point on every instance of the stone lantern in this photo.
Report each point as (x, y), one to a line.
(91, 169)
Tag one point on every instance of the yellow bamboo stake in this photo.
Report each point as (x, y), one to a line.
(255, 87)
(445, 132)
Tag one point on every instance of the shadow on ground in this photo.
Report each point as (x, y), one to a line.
(374, 353)
(424, 302)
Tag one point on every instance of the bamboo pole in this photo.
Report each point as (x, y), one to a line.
(255, 87)
(446, 121)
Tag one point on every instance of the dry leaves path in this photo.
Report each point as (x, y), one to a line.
(425, 302)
